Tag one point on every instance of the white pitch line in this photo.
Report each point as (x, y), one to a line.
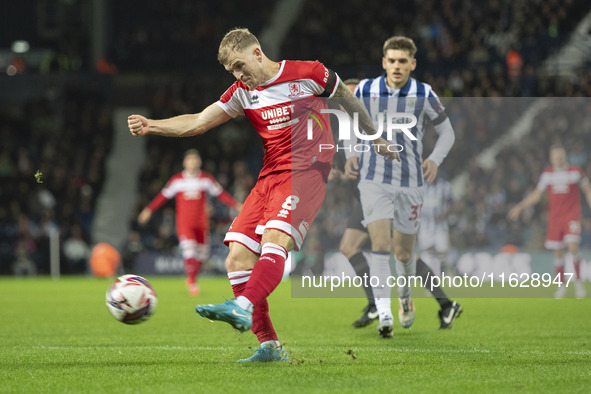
(402, 350)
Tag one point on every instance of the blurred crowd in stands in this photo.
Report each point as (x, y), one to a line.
(487, 49)
(64, 136)
(466, 48)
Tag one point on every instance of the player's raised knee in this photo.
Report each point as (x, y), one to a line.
(240, 258)
(234, 264)
(403, 256)
(278, 238)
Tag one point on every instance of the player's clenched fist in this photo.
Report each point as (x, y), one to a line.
(138, 125)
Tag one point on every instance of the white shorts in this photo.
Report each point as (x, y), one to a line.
(400, 204)
(433, 236)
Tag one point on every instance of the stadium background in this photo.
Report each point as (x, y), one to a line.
(63, 103)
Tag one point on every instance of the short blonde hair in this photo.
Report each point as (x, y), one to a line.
(236, 40)
(401, 43)
(192, 152)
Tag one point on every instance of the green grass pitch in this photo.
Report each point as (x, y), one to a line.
(58, 337)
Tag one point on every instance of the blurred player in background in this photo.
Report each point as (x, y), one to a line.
(290, 190)
(433, 236)
(563, 183)
(191, 190)
(433, 245)
(392, 195)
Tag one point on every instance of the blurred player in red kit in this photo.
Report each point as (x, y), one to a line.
(563, 183)
(290, 189)
(191, 190)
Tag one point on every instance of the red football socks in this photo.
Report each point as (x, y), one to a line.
(238, 280)
(577, 266)
(261, 322)
(266, 274)
(560, 273)
(192, 268)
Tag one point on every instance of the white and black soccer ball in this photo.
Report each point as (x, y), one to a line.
(131, 299)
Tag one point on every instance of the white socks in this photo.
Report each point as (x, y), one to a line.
(379, 267)
(244, 303)
(271, 343)
(406, 269)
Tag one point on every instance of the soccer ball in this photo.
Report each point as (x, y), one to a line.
(131, 299)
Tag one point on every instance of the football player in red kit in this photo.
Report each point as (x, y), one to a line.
(563, 183)
(191, 190)
(290, 189)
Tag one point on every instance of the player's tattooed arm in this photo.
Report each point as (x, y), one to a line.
(352, 105)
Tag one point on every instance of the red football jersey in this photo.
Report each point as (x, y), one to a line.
(279, 113)
(564, 202)
(191, 195)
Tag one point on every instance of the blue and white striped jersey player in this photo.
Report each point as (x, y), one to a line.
(392, 193)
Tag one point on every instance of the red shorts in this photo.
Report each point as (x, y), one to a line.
(285, 201)
(198, 234)
(562, 231)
